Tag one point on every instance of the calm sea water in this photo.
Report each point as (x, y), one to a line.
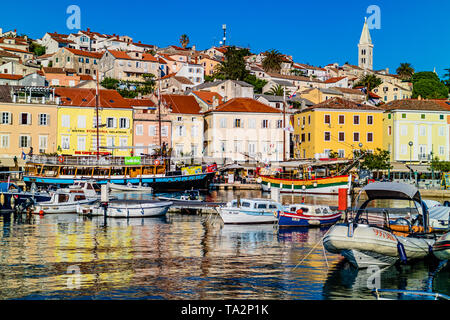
(64, 256)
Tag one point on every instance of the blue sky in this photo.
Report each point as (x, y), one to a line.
(315, 32)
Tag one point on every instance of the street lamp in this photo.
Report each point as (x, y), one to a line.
(410, 158)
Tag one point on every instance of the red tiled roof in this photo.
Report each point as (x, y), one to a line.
(120, 54)
(86, 98)
(334, 79)
(245, 105)
(77, 52)
(86, 77)
(418, 105)
(339, 103)
(10, 76)
(14, 49)
(181, 104)
(140, 102)
(58, 70)
(208, 96)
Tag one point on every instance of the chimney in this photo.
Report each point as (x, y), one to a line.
(193, 48)
(215, 102)
(387, 70)
(303, 105)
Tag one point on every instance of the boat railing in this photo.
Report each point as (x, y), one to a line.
(85, 161)
(370, 217)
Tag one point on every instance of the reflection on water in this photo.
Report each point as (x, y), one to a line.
(180, 257)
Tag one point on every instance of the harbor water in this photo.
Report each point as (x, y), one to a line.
(65, 256)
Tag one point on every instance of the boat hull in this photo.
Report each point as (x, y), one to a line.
(288, 219)
(129, 209)
(441, 249)
(329, 185)
(163, 183)
(370, 246)
(61, 207)
(233, 216)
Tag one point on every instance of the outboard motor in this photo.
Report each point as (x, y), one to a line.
(24, 205)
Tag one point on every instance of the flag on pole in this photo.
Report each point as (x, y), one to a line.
(24, 156)
(294, 94)
(290, 128)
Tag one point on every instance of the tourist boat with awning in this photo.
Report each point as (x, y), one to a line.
(307, 215)
(321, 176)
(373, 238)
(65, 170)
(248, 211)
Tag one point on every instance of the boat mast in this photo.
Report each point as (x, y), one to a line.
(159, 109)
(284, 124)
(96, 112)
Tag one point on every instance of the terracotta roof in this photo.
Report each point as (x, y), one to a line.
(245, 105)
(181, 103)
(348, 90)
(86, 98)
(140, 102)
(443, 102)
(417, 105)
(77, 52)
(208, 96)
(334, 79)
(183, 80)
(149, 57)
(14, 49)
(8, 54)
(86, 77)
(120, 54)
(58, 70)
(339, 103)
(290, 77)
(10, 76)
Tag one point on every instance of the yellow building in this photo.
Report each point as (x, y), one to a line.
(391, 91)
(77, 120)
(337, 125)
(318, 95)
(416, 129)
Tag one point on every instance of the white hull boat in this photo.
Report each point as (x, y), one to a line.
(441, 248)
(128, 209)
(250, 211)
(373, 239)
(129, 188)
(369, 246)
(64, 202)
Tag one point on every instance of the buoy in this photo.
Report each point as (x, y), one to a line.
(157, 162)
(299, 211)
(41, 213)
(61, 159)
(401, 252)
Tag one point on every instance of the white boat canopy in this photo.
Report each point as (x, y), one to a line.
(392, 190)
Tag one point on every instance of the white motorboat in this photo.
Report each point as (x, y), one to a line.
(127, 209)
(88, 187)
(129, 188)
(188, 195)
(250, 211)
(64, 201)
(373, 239)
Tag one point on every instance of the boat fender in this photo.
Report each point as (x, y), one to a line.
(446, 203)
(350, 230)
(401, 252)
(299, 211)
(430, 249)
(129, 184)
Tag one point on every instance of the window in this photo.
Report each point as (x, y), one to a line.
(327, 119)
(355, 119)
(403, 130)
(110, 141)
(403, 149)
(422, 131)
(265, 124)
(25, 118)
(180, 131)
(422, 116)
(327, 136)
(279, 124)
(369, 137)
(341, 153)
(441, 117)
(441, 131)
(81, 123)
(124, 123)
(309, 119)
(356, 136)
(237, 123)
(4, 140)
(309, 136)
(370, 119)
(341, 119)
(65, 142)
(65, 121)
(389, 130)
(24, 141)
(139, 129)
(6, 118)
(123, 141)
(179, 119)
(341, 136)
(111, 122)
(252, 123)
(403, 115)
(441, 150)
(55, 82)
(81, 143)
(194, 131)
(223, 122)
(164, 131)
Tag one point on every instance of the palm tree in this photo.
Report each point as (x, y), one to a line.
(276, 90)
(370, 82)
(405, 71)
(184, 40)
(272, 61)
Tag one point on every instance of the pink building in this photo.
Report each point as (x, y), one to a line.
(146, 126)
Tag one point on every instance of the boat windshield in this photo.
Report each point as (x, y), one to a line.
(63, 198)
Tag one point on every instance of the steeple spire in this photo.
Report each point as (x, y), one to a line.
(365, 48)
(365, 34)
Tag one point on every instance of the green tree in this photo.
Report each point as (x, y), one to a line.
(37, 49)
(429, 89)
(370, 82)
(110, 83)
(233, 67)
(424, 75)
(441, 166)
(376, 161)
(257, 83)
(405, 71)
(272, 61)
(184, 40)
